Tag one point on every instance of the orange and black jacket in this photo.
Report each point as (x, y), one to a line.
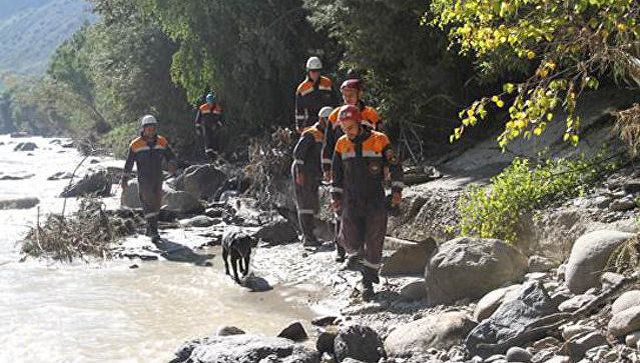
(358, 176)
(306, 154)
(310, 98)
(148, 157)
(333, 131)
(210, 115)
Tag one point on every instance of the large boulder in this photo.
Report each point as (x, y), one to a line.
(440, 331)
(410, 259)
(244, 348)
(130, 196)
(625, 321)
(277, 231)
(492, 301)
(625, 301)
(201, 180)
(25, 146)
(471, 267)
(93, 184)
(510, 319)
(182, 202)
(589, 257)
(358, 342)
(18, 203)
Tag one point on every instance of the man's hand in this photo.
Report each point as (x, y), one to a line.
(396, 198)
(336, 204)
(299, 178)
(198, 130)
(172, 169)
(328, 176)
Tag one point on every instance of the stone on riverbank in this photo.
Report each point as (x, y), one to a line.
(471, 267)
(492, 301)
(25, 146)
(410, 259)
(201, 181)
(18, 203)
(625, 322)
(358, 342)
(95, 184)
(625, 301)
(589, 256)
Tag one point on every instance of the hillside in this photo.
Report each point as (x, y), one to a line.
(31, 30)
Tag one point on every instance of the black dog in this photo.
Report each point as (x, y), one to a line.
(236, 244)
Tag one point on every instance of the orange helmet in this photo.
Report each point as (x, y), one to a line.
(349, 112)
(354, 84)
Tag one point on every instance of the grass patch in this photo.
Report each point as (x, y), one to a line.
(494, 210)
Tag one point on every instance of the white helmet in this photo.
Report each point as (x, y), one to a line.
(148, 120)
(314, 64)
(325, 112)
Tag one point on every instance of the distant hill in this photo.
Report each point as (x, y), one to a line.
(30, 31)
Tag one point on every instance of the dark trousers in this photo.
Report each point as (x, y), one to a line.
(151, 197)
(308, 205)
(210, 140)
(362, 233)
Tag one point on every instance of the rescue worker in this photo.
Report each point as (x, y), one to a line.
(148, 152)
(209, 118)
(315, 92)
(307, 175)
(351, 90)
(358, 192)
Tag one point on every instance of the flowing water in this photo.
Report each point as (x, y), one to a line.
(106, 311)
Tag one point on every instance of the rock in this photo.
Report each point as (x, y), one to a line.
(510, 319)
(243, 348)
(277, 231)
(19, 134)
(517, 354)
(624, 204)
(471, 267)
(545, 343)
(350, 360)
(625, 321)
(25, 146)
(18, 203)
(561, 273)
(601, 201)
(540, 264)
(632, 339)
(325, 342)
(627, 300)
(60, 175)
(559, 359)
(182, 202)
(577, 348)
(631, 186)
(413, 291)
(560, 296)
(229, 330)
(496, 358)
(324, 320)
(295, 331)
(492, 301)
(609, 279)
(575, 302)
(409, 259)
(571, 331)
(358, 342)
(214, 212)
(201, 181)
(441, 331)
(198, 221)
(93, 184)
(17, 176)
(589, 257)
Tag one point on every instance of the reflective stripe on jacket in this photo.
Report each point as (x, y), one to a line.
(310, 98)
(148, 157)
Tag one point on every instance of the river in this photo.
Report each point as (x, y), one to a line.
(106, 311)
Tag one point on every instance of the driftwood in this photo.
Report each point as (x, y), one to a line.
(547, 324)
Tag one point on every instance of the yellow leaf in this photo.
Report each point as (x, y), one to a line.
(537, 131)
(531, 54)
(500, 103)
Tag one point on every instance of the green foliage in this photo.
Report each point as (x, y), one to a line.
(559, 47)
(494, 210)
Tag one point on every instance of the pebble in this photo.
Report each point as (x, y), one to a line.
(517, 354)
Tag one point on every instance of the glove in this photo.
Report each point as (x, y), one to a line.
(198, 130)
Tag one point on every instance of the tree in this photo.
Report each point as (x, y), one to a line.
(554, 50)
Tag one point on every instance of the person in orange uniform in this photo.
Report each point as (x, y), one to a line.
(358, 193)
(148, 151)
(307, 175)
(315, 92)
(351, 90)
(209, 118)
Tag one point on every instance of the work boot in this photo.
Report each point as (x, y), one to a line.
(370, 274)
(367, 290)
(310, 242)
(353, 263)
(152, 226)
(339, 253)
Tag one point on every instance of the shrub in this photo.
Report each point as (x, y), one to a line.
(494, 210)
